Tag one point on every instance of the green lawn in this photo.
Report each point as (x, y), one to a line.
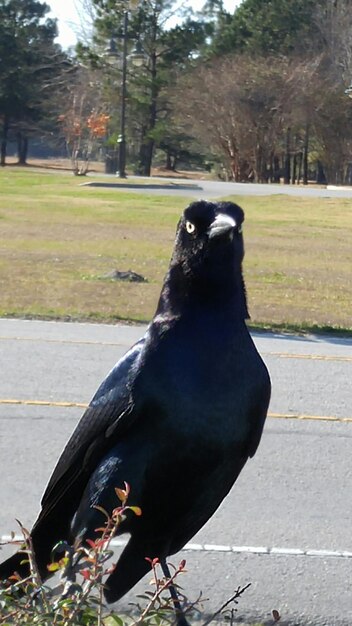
(58, 238)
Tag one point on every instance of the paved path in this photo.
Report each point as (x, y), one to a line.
(285, 527)
(214, 189)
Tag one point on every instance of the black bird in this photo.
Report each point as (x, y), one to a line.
(177, 417)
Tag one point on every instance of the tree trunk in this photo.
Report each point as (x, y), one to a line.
(276, 170)
(147, 147)
(294, 169)
(321, 178)
(22, 149)
(270, 170)
(305, 155)
(287, 175)
(349, 175)
(261, 174)
(148, 157)
(3, 146)
(300, 161)
(144, 164)
(295, 162)
(168, 164)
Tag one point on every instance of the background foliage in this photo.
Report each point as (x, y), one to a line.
(257, 94)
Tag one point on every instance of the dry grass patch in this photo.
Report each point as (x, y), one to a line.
(58, 239)
(299, 260)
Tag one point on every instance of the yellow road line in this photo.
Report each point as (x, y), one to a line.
(88, 342)
(65, 405)
(83, 405)
(313, 357)
(298, 416)
(84, 342)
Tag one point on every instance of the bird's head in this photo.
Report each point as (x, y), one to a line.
(209, 234)
(206, 265)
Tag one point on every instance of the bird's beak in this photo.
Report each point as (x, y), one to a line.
(222, 225)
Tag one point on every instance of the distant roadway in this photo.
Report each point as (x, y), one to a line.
(207, 189)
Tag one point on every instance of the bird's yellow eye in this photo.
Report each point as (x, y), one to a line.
(190, 228)
(239, 229)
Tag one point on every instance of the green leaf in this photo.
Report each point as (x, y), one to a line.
(53, 567)
(136, 510)
(113, 620)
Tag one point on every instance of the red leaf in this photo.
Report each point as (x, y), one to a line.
(121, 494)
(86, 574)
(152, 562)
(15, 577)
(100, 542)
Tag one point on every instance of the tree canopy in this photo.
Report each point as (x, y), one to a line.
(29, 64)
(259, 91)
(262, 27)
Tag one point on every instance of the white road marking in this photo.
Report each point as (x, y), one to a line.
(211, 547)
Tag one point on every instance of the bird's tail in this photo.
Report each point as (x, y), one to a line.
(18, 563)
(44, 535)
(14, 564)
(130, 568)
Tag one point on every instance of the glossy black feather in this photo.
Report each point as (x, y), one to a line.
(177, 417)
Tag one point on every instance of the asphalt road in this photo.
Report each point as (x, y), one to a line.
(208, 189)
(285, 527)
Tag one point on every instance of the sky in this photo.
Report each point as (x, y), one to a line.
(67, 13)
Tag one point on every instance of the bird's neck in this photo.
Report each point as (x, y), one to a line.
(181, 293)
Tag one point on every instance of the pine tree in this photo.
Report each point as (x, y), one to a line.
(29, 62)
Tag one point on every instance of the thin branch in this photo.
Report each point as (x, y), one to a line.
(238, 593)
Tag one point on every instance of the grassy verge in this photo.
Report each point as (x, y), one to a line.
(58, 239)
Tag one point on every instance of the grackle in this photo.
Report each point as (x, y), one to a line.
(176, 418)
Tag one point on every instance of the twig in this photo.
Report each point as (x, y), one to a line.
(9, 615)
(100, 606)
(33, 567)
(239, 591)
(151, 604)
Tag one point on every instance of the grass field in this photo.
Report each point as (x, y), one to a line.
(58, 239)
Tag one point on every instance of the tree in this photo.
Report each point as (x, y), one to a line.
(178, 146)
(255, 113)
(30, 62)
(333, 23)
(314, 38)
(83, 118)
(261, 27)
(259, 118)
(166, 50)
(242, 115)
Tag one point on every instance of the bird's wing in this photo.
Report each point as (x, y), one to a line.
(110, 413)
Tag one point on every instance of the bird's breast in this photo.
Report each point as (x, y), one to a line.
(207, 384)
